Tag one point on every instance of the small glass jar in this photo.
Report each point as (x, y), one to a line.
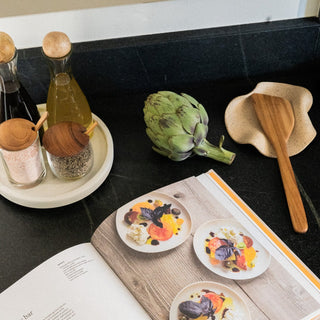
(72, 167)
(21, 153)
(69, 151)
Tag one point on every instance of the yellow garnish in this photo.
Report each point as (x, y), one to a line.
(201, 318)
(232, 257)
(173, 223)
(179, 221)
(158, 203)
(250, 254)
(228, 303)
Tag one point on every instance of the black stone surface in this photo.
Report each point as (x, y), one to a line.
(214, 66)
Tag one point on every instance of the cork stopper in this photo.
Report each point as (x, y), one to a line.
(56, 44)
(65, 139)
(7, 48)
(17, 134)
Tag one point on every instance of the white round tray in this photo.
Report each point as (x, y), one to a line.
(52, 192)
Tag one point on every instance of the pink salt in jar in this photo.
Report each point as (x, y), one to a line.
(21, 153)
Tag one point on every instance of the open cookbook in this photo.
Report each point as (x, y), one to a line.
(190, 250)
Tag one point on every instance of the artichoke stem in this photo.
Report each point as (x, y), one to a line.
(206, 149)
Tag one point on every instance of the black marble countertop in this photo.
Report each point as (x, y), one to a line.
(214, 66)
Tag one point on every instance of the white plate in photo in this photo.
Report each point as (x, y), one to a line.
(257, 258)
(233, 304)
(140, 233)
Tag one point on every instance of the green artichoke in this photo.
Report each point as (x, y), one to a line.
(178, 125)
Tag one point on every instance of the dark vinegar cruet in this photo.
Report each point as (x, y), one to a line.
(15, 102)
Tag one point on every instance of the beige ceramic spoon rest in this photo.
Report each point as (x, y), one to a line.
(243, 126)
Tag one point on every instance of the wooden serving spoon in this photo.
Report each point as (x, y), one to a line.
(276, 118)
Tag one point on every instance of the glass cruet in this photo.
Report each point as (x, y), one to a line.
(66, 101)
(15, 102)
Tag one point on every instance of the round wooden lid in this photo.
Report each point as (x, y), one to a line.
(65, 139)
(56, 44)
(17, 134)
(7, 48)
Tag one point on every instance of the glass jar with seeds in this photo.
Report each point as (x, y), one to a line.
(68, 148)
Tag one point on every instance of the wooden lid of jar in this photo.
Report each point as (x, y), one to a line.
(56, 44)
(17, 134)
(7, 48)
(65, 139)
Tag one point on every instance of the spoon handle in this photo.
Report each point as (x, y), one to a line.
(91, 127)
(41, 121)
(296, 208)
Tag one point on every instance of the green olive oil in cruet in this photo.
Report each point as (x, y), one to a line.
(65, 101)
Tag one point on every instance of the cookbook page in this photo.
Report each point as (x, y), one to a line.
(302, 274)
(74, 284)
(212, 252)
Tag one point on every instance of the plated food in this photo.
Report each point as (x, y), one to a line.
(153, 223)
(226, 248)
(208, 300)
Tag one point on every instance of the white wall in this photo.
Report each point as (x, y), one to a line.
(23, 7)
(149, 18)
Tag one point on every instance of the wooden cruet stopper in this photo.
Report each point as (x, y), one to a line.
(56, 44)
(65, 139)
(7, 48)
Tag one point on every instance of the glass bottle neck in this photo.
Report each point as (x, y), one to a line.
(59, 66)
(8, 75)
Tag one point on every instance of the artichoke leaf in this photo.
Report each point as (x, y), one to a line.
(202, 111)
(148, 107)
(203, 114)
(190, 99)
(189, 118)
(181, 143)
(200, 133)
(177, 156)
(160, 103)
(158, 140)
(175, 99)
(152, 121)
(163, 152)
(170, 125)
